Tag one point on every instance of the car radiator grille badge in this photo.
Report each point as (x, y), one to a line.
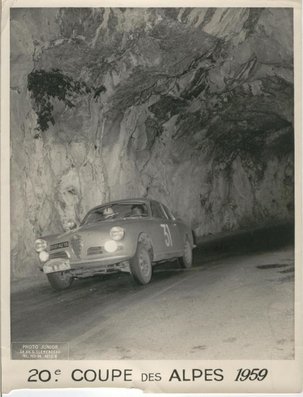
(77, 244)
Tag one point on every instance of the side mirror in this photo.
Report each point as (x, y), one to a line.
(70, 225)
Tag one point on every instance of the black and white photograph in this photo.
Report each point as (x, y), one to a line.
(152, 186)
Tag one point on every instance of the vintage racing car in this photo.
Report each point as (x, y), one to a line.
(126, 235)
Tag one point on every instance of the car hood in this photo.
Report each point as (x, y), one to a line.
(103, 226)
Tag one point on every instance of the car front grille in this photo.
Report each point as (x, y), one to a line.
(60, 254)
(94, 250)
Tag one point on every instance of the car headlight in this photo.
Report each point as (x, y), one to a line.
(40, 245)
(117, 233)
(43, 256)
(110, 246)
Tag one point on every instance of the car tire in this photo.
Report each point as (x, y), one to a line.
(141, 265)
(186, 260)
(60, 280)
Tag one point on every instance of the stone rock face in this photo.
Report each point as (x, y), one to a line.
(193, 107)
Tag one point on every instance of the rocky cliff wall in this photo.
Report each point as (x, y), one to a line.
(193, 107)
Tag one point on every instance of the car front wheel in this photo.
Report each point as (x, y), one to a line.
(141, 265)
(186, 260)
(60, 280)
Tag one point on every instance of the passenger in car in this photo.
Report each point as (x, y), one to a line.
(137, 210)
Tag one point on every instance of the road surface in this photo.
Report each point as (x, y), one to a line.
(225, 307)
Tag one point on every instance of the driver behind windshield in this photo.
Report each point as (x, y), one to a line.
(108, 212)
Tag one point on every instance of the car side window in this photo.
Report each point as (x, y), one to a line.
(169, 213)
(157, 211)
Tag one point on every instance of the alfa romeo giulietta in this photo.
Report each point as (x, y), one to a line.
(121, 236)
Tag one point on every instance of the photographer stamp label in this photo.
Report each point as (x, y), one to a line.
(39, 351)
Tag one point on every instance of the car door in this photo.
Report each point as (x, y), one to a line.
(164, 233)
(175, 230)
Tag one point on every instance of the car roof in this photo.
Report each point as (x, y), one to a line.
(125, 201)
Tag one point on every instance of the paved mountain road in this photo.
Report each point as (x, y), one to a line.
(225, 307)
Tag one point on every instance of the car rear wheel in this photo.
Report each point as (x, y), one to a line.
(186, 260)
(141, 265)
(60, 280)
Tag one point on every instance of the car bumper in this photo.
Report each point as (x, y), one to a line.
(81, 268)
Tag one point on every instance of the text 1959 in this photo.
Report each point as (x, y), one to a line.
(245, 374)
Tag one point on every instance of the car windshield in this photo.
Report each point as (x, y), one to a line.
(115, 211)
